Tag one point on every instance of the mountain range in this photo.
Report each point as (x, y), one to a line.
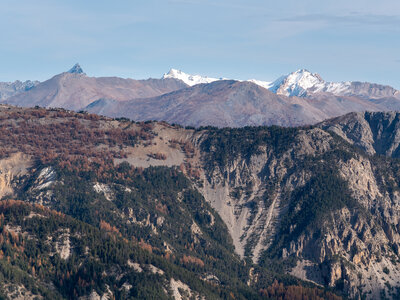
(299, 98)
(8, 89)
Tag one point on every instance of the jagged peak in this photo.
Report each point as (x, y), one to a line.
(303, 76)
(296, 83)
(76, 69)
(173, 72)
(188, 78)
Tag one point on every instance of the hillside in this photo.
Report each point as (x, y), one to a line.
(304, 209)
(114, 208)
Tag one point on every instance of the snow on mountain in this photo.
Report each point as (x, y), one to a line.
(304, 83)
(297, 83)
(8, 89)
(265, 84)
(189, 79)
(336, 88)
(301, 83)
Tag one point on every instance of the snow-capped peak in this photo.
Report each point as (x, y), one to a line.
(296, 83)
(76, 69)
(187, 78)
(299, 83)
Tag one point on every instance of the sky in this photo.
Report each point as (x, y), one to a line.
(357, 40)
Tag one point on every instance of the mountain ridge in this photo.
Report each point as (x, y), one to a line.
(76, 90)
(299, 98)
(232, 103)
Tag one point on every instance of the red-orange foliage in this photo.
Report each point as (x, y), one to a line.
(187, 259)
(46, 134)
(296, 292)
(162, 208)
(145, 246)
(107, 227)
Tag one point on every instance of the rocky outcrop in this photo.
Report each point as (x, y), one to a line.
(355, 247)
(11, 171)
(375, 133)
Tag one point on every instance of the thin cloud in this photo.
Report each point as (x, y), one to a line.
(391, 22)
(215, 3)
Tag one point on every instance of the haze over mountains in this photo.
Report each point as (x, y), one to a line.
(8, 89)
(74, 90)
(299, 98)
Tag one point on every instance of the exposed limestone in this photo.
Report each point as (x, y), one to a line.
(135, 266)
(104, 189)
(361, 180)
(18, 292)
(373, 132)
(126, 286)
(155, 270)
(61, 243)
(180, 290)
(354, 247)
(211, 278)
(195, 229)
(45, 179)
(11, 169)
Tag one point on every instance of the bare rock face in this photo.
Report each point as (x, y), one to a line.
(354, 246)
(375, 133)
(11, 169)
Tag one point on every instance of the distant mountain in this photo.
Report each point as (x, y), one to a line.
(187, 78)
(296, 83)
(76, 69)
(74, 90)
(230, 103)
(225, 103)
(299, 98)
(9, 89)
(302, 83)
(265, 84)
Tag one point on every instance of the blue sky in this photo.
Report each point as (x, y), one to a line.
(340, 40)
